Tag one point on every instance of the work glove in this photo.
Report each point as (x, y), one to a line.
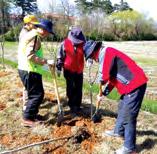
(106, 91)
(99, 98)
(89, 62)
(50, 62)
(58, 68)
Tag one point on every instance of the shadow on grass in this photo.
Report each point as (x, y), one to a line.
(102, 112)
(147, 144)
(85, 111)
(48, 104)
(146, 132)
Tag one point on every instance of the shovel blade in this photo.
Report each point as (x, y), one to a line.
(96, 118)
(60, 119)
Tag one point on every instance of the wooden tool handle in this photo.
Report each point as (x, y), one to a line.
(52, 69)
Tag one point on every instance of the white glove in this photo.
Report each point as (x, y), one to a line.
(89, 63)
(99, 98)
(50, 62)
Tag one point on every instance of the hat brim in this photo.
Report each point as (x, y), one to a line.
(92, 49)
(34, 23)
(45, 28)
(75, 40)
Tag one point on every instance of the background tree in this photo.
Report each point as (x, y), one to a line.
(4, 25)
(122, 6)
(27, 6)
(67, 10)
(4, 16)
(87, 7)
(131, 25)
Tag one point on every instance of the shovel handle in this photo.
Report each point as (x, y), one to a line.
(97, 106)
(52, 69)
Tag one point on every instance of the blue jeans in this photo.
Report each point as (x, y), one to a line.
(128, 110)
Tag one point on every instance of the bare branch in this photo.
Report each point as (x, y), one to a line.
(35, 144)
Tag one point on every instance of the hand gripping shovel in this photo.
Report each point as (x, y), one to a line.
(60, 110)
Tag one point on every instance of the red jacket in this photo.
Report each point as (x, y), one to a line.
(74, 57)
(122, 72)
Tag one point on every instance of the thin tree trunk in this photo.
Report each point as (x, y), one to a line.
(2, 56)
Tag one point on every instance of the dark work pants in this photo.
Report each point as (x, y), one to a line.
(33, 84)
(74, 83)
(128, 110)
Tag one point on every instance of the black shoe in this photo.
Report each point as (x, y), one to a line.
(75, 109)
(39, 117)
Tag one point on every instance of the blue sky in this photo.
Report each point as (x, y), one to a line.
(147, 7)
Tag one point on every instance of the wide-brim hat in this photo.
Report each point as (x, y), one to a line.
(76, 35)
(90, 47)
(46, 25)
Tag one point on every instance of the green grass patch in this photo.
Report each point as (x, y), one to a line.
(87, 88)
(10, 63)
(10, 44)
(47, 76)
(114, 95)
(150, 106)
(146, 61)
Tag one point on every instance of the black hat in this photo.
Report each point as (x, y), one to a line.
(90, 47)
(46, 25)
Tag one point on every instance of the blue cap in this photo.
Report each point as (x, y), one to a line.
(90, 47)
(46, 25)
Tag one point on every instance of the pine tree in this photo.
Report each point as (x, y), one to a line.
(89, 6)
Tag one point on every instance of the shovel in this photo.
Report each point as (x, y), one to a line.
(60, 110)
(96, 116)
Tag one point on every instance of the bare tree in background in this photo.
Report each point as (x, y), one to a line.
(2, 41)
(4, 23)
(68, 10)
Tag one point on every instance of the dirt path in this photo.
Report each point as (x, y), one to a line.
(13, 135)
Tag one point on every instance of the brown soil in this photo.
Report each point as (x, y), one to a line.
(2, 106)
(2, 74)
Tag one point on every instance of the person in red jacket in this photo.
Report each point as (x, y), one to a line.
(118, 70)
(71, 58)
